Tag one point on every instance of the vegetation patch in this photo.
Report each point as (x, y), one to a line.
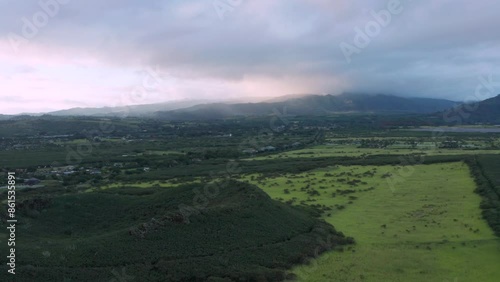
(426, 228)
(238, 233)
(486, 173)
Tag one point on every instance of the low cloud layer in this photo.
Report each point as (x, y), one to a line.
(65, 53)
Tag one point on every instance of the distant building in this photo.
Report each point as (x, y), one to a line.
(267, 149)
(32, 181)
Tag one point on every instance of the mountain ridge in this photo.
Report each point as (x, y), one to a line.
(486, 111)
(314, 105)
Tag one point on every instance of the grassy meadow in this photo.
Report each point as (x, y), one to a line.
(425, 228)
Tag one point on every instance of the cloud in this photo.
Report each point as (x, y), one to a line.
(261, 48)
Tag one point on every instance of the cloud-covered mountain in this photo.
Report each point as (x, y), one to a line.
(89, 53)
(314, 105)
(136, 110)
(487, 111)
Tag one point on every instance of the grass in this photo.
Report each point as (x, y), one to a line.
(427, 228)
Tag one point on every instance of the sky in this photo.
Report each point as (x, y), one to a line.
(58, 54)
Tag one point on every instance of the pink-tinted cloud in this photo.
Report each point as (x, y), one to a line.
(97, 53)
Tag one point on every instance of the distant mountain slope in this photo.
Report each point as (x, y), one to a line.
(314, 105)
(286, 97)
(292, 105)
(488, 111)
(5, 117)
(136, 110)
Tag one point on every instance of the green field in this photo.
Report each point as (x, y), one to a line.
(425, 228)
(354, 151)
(145, 184)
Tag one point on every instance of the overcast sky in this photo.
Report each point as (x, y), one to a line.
(76, 53)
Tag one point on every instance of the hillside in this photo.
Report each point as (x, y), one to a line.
(133, 110)
(239, 233)
(487, 111)
(311, 105)
(5, 117)
(314, 105)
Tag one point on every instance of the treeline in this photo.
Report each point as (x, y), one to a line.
(287, 165)
(376, 143)
(485, 171)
